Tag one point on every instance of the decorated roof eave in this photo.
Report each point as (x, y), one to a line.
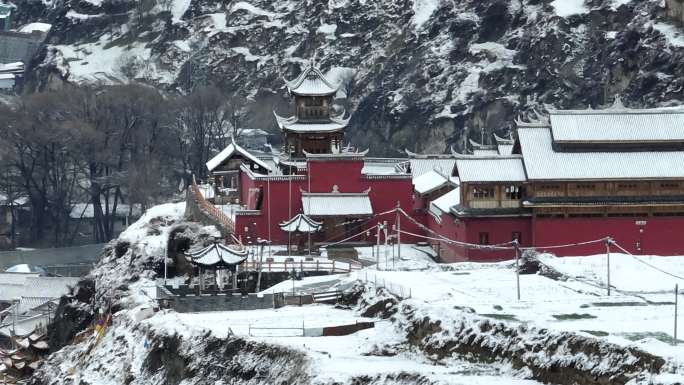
(292, 85)
(311, 225)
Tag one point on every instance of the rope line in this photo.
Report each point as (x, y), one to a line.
(567, 245)
(644, 262)
(464, 244)
(348, 238)
(442, 237)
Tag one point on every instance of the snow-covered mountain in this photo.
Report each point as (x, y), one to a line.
(418, 73)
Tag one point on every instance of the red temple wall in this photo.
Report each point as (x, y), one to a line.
(384, 195)
(660, 235)
(452, 229)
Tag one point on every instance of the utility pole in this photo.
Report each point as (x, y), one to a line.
(14, 322)
(516, 244)
(675, 318)
(608, 242)
(262, 243)
(377, 236)
(398, 231)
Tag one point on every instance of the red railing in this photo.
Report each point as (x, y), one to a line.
(210, 209)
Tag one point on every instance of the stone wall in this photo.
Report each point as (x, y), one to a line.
(15, 46)
(675, 9)
(224, 302)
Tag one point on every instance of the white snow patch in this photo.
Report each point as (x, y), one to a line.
(251, 8)
(422, 10)
(178, 9)
(674, 35)
(30, 27)
(565, 8)
(495, 49)
(327, 29)
(81, 16)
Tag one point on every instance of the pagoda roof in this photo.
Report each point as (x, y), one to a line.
(234, 148)
(217, 256)
(301, 223)
(311, 82)
(295, 125)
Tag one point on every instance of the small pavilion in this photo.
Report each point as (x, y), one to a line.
(301, 224)
(220, 259)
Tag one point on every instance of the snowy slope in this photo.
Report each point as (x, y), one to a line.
(425, 72)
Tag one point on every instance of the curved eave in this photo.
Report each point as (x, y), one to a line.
(294, 85)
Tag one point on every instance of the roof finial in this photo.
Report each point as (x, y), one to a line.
(617, 103)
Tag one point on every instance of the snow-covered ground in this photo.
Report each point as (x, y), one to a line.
(338, 358)
(639, 312)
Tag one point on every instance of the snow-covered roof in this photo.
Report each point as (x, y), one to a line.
(293, 124)
(311, 82)
(218, 256)
(444, 203)
(490, 169)
(420, 166)
(431, 181)
(30, 27)
(485, 151)
(231, 149)
(253, 132)
(36, 286)
(618, 124)
(543, 163)
(25, 268)
(10, 67)
(335, 204)
(301, 223)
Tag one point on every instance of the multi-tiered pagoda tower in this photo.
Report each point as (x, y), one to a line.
(313, 129)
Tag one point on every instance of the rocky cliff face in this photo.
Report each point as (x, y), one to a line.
(418, 74)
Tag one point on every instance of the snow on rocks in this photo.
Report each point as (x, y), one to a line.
(566, 8)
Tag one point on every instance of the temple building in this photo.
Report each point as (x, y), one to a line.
(564, 178)
(314, 128)
(571, 177)
(315, 175)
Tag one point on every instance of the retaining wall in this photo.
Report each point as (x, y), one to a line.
(223, 302)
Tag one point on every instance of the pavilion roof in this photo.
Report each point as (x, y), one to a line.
(311, 82)
(217, 256)
(301, 223)
(336, 123)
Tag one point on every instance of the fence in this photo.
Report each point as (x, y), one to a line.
(400, 291)
(302, 265)
(210, 209)
(303, 331)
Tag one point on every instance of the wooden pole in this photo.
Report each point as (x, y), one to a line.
(608, 242)
(398, 232)
(517, 267)
(675, 315)
(377, 260)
